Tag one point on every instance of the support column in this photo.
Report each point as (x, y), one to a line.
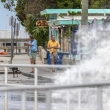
(61, 39)
(49, 32)
(84, 17)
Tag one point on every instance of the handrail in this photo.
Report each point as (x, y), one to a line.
(53, 87)
(30, 65)
(15, 87)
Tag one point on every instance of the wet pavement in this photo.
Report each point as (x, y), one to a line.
(45, 77)
(24, 59)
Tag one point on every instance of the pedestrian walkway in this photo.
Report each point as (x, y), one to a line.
(24, 59)
(4, 60)
(45, 75)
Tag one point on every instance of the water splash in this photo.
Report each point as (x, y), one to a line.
(95, 68)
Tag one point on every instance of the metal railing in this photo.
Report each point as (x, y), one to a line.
(23, 88)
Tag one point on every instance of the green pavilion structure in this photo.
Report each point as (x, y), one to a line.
(60, 21)
(59, 18)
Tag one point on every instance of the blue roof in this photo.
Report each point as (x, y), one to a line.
(64, 11)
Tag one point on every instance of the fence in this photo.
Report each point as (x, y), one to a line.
(12, 87)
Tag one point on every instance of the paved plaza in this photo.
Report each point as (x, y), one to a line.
(24, 59)
(43, 73)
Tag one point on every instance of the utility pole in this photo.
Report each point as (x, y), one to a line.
(84, 17)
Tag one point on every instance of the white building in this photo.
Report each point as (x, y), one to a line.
(19, 46)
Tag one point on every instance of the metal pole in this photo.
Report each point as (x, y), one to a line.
(99, 98)
(14, 33)
(79, 99)
(48, 100)
(68, 100)
(49, 32)
(61, 39)
(17, 33)
(23, 100)
(16, 45)
(79, 92)
(35, 93)
(68, 93)
(6, 73)
(11, 44)
(6, 93)
(70, 38)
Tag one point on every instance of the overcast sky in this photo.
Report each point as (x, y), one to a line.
(4, 18)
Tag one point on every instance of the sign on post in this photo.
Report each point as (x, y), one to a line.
(17, 29)
(42, 23)
(11, 21)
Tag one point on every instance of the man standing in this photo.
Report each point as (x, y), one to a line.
(53, 45)
(32, 50)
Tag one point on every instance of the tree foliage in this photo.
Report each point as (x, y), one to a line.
(69, 4)
(30, 23)
(99, 4)
(24, 7)
(3, 0)
(41, 34)
(28, 10)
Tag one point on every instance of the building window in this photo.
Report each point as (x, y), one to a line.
(8, 44)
